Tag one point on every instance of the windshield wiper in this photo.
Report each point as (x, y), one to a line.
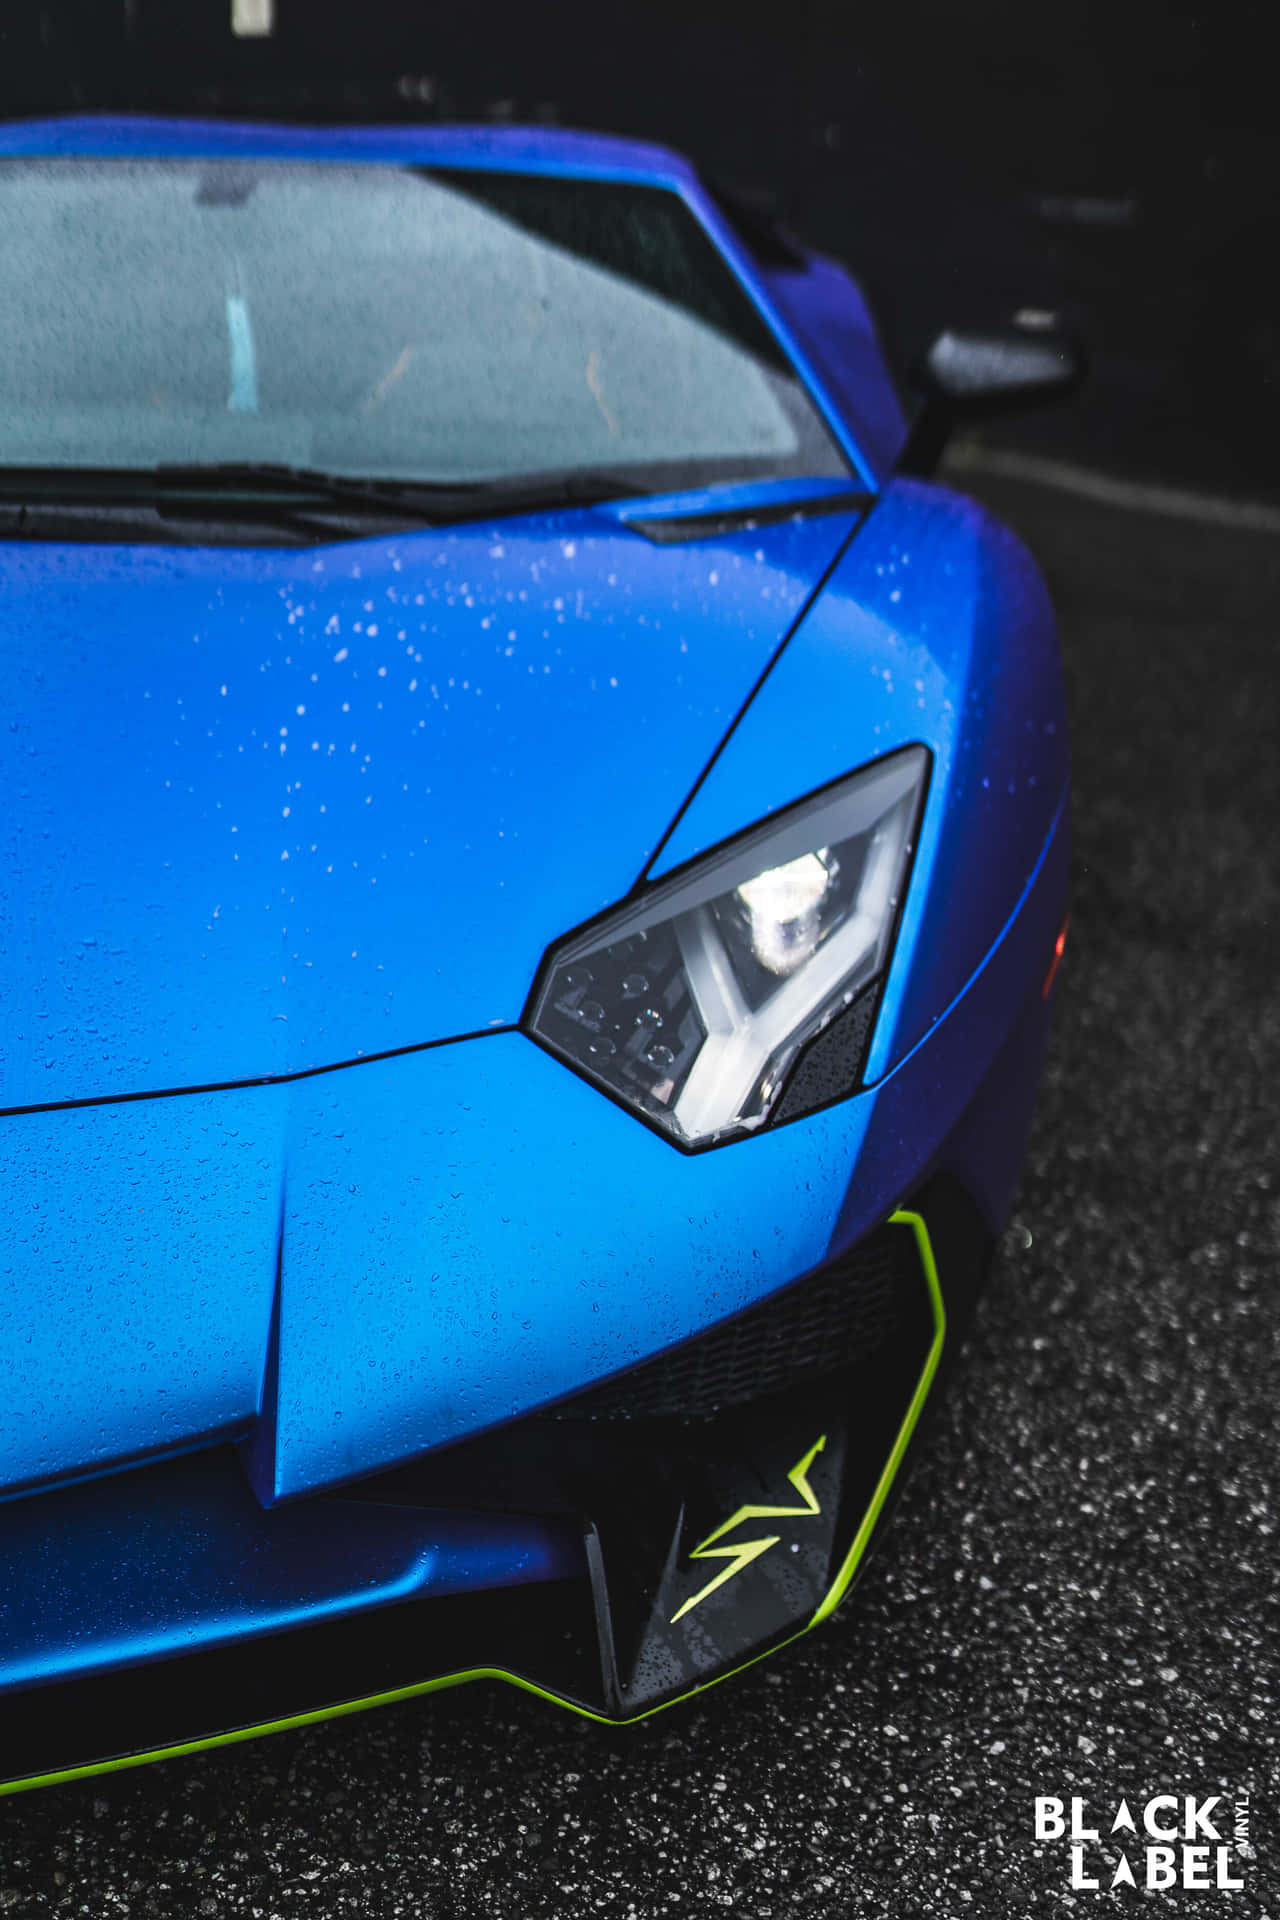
(253, 487)
(268, 482)
(215, 486)
(434, 499)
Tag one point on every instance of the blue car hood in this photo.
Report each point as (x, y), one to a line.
(267, 809)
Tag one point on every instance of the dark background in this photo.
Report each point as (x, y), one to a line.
(1115, 160)
(1081, 1591)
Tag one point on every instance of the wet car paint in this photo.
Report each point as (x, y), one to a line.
(271, 810)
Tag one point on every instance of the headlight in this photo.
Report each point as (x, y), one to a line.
(693, 1002)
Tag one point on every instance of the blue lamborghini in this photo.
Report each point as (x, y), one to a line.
(534, 857)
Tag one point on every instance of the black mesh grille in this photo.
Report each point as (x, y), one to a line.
(843, 1311)
(829, 1067)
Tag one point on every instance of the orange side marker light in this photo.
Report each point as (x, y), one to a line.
(1059, 946)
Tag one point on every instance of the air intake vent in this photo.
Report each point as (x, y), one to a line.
(843, 1311)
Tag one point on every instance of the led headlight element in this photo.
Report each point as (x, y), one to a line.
(692, 1001)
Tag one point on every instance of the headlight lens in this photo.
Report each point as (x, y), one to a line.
(692, 1002)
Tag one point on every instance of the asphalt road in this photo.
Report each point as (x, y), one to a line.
(1079, 1595)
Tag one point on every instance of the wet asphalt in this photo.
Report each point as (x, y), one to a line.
(1079, 1594)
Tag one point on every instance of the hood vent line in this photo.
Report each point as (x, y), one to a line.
(257, 1080)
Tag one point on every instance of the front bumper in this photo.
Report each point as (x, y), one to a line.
(659, 1551)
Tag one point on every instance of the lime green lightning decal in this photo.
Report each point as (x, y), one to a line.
(746, 1551)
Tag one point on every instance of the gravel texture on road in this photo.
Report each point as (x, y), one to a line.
(1079, 1594)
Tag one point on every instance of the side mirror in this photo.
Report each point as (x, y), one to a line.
(967, 373)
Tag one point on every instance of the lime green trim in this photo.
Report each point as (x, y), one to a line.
(836, 1593)
(840, 1586)
(746, 1551)
(309, 1719)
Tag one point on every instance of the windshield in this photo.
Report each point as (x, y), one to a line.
(382, 321)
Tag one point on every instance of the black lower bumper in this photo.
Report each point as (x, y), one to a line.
(725, 1496)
